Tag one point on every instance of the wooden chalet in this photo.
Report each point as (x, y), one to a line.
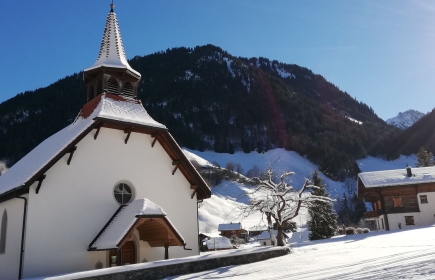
(400, 198)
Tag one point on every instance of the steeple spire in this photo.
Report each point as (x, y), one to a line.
(112, 62)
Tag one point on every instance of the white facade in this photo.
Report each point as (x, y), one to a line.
(426, 216)
(75, 202)
(113, 141)
(10, 260)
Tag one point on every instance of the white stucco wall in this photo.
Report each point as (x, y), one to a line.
(76, 201)
(10, 260)
(422, 218)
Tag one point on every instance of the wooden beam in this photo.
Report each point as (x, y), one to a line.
(176, 163)
(40, 183)
(128, 131)
(194, 187)
(96, 133)
(193, 194)
(154, 135)
(154, 142)
(71, 153)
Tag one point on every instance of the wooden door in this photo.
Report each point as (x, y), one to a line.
(128, 252)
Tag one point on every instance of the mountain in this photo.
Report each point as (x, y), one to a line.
(405, 119)
(408, 141)
(211, 100)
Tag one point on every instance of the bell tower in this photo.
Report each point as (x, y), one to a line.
(111, 73)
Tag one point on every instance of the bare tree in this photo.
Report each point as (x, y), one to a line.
(279, 202)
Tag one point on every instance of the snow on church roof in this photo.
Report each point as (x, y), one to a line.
(112, 53)
(397, 177)
(124, 220)
(21, 172)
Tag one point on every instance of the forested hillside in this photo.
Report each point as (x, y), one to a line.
(211, 100)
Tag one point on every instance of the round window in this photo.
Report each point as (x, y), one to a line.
(123, 193)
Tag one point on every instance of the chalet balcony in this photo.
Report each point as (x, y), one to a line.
(373, 214)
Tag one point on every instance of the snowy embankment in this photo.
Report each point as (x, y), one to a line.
(402, 254)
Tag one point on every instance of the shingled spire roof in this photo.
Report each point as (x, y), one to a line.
(112, 53)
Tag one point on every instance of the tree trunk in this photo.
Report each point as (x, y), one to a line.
(281, 241)
(271, 232)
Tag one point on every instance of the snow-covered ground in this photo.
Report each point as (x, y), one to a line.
(402, 254)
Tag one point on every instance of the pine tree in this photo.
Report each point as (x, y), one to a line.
(323, 223)
(359, 208)
(424, 158)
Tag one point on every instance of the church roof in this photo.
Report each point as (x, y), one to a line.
(24, 170)
(124, 220)
(112, 53)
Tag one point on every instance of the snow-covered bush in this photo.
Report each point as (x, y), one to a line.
(359, 230)
(366, 230)
(350, 230)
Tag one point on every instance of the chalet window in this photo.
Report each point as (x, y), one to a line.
(397, 201)
(409, 220)
(3, 230)
(423, 199)
(123, 193)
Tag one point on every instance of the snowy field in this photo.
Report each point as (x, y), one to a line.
(404, 254)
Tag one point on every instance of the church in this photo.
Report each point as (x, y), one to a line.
(110, 189)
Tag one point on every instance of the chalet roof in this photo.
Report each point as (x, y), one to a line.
(124, 220)
(219, 243)
(397, 177)
(235, 226)
(112, 53)
(107, 108)
(266, 235)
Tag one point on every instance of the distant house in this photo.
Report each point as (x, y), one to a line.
(264, 238)
(231, 229)
(257, 230)
(400, 198)
(218, 243)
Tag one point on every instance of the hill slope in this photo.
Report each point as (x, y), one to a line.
(211, 100)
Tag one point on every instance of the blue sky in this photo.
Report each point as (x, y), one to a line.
(380, 52)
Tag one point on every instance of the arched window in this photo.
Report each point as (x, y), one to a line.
(99, 87)
(112, 86)
(3, 231)
(91, 93)
(128, 89)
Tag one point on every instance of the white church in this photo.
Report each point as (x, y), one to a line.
(110, 189)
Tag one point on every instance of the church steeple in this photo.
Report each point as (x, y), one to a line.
(111, 73)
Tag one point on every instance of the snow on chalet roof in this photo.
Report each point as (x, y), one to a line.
(266, 235)
(112, 53)
(397, 177)
(124, 220)
(219, 243)
(130, 111)
(235, 226)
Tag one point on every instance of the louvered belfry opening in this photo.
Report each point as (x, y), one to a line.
(91, 92)
(112, 86)
(99, 87)
(128, 89)
(111, 72)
